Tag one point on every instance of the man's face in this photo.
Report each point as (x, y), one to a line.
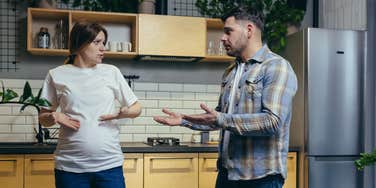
(234, 37)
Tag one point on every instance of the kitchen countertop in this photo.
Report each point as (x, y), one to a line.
(127, 147)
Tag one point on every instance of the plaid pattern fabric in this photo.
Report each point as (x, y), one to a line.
(259, 125)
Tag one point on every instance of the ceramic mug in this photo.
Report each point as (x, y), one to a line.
(113, 46)
(126, 46)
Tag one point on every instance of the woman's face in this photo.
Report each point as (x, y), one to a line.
(94, 52)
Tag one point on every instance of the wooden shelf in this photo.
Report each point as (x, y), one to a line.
(214, 31)
(49, 52)
(143, 31)
(120, 27)
(124, 55)
(225, 59)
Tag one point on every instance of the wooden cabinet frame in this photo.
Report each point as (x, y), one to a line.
(38, 17)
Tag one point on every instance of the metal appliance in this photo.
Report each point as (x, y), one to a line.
(163, 141)
(328, 117)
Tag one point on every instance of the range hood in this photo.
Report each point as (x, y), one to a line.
(171, 38)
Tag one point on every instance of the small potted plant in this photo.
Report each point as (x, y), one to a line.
(26, 99)
(366, 159)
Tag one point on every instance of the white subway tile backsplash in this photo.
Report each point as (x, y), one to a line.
(132, 129)
(192, 104)
(5, 129)
(13, 83)
(180, 129)
(182, 98)
(170, 87)
(29, 137)
(141, 86)
(207, 96)
(149, 103)
(21, 120)
(186, 111)
(158, 95)
(23, 128)
(214, 88)
(170, 104)
(158, 129)
(28, 111)
(126, 137)
(5, 110)
(144, 121)
(194, 88)
(212, 104)
(15, 137)
(186, 138)
(154, 112)
(125, 121)
(32, 120)
(142, 137)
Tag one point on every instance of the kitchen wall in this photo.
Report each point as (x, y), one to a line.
(343, 14)
(182, 97)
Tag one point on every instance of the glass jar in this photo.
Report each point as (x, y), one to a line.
(43, 38)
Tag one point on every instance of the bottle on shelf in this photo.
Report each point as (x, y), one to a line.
(59, 39)
(43, 38)
(210, 48)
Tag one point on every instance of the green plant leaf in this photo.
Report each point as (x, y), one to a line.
(9, 95)
(76, 3)
(43, 102)
(366, 159)
(27, 93)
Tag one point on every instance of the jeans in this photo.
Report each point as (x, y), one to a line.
(271, 181)
(111, 178)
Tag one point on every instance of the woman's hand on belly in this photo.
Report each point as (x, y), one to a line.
(67, 121)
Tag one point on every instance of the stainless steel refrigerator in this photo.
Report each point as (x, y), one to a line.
(327, 120)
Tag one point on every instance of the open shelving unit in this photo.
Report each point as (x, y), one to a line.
(214, 31)
(120, 27)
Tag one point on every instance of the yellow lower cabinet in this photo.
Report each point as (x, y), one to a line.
(133, 168)
(11, 171)
(171, 170)
(207, 170)
(290, 181)
(39, 171)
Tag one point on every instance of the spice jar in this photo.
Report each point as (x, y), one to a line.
(43, 38)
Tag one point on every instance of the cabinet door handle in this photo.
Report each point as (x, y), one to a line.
(132, 167)
(208, 165)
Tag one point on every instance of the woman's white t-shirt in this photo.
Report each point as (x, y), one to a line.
(85, 94)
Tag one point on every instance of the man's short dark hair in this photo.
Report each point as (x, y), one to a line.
(245, 13)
